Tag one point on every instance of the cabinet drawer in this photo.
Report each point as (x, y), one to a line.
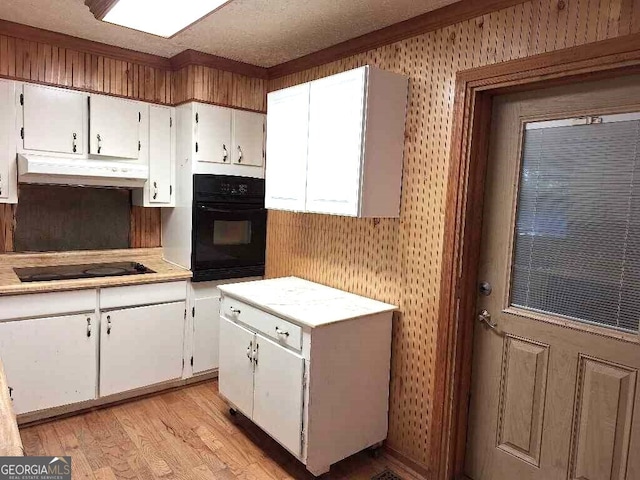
(284, 332)
(146, 294)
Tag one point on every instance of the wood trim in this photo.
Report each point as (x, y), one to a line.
(418, 469)
(100, 8)
(427, 22)
(193, 57)
(34, 34)
(461, 249)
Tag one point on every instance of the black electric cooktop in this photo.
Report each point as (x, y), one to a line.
(89, 270)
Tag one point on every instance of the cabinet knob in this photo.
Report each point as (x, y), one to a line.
(108, 324)
(239, 154)
(225, 153)
(99, 142)
(279, 331)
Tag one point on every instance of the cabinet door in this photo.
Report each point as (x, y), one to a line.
(50, 361)
(160, 158)
(235, 376)
(53, 119)
(8, 181)
(336, 113)
(213, 134)
(140, 346)
(287, 140)
(206, 334)
(278, 393)
(248, 138)
(114, 127)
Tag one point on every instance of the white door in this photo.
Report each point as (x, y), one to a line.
(7, 140)
(278, 393)
(287, 140)
(206, 334)
(53, 119)
(235, 376)
(213, 134)
(160, 158)
(114, 127)
(248, 138)
(50, 361)
(140, 346)
(336, 113)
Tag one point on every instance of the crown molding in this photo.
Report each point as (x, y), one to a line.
(427, 22)
(193, 57)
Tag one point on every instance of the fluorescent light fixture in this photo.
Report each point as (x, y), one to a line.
(160, 17)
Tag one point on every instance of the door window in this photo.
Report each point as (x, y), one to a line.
(577, 232)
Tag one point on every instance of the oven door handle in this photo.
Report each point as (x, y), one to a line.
(219, 210)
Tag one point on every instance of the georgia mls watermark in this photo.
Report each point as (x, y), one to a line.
(35, 468)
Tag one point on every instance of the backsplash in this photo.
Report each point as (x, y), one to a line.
(60, 218)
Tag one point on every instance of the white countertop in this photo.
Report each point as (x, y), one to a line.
(303, 302)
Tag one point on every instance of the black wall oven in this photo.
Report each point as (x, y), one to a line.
(229, 227)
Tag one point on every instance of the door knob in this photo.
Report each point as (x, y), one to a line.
(485, 317)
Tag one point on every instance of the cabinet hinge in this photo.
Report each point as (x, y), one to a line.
(196, 147)
(139, 145)
(22, 133)
(193, 312)
(192, 361)
(22, 99)
(139, 117)
(197, 118)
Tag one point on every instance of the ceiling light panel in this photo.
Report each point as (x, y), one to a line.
(160, 17)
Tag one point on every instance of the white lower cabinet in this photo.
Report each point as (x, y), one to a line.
(140, 346)
(206, 326)
(50, 361)
(236, 360)
(278, 393)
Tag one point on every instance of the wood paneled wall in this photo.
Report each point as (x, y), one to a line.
(43, 63)
(399, 261)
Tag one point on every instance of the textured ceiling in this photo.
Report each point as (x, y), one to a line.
(261, 32)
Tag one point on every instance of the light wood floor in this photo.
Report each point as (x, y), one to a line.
(182, 434)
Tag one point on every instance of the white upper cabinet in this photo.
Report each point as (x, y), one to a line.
(161, 148)
(355, 143)
(213, 134)
(336, 117)
(287, 140)
(114, 127)
(8, 178)
(53, 120)
(248, 138)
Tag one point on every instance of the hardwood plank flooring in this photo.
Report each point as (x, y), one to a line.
(181, 434)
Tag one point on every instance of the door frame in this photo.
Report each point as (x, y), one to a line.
(463, 224)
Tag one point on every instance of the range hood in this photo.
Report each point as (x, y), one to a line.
(72, 171)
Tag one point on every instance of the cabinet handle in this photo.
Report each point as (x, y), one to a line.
(235, 311)
(108, 324)
(88, 326)
(255, 353)
(281, 332)
(75, 137)
(0, 184)
(239, 154)
(155, 190)
(11, 393)
(99, 142)
(250, 352)
(225, 155)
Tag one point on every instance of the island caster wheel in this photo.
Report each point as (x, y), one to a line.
(375, 451)
(233, 412)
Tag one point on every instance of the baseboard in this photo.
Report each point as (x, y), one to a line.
(419, 470)
(56, 413)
